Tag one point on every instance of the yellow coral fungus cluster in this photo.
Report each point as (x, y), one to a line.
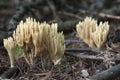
(92, 33)
(33, 37)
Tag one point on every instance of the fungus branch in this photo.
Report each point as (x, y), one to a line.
(10, 45)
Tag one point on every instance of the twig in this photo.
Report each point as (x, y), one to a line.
(42, 74)
(83, 50)
(109, 16)
(71, 15)
(77, 53)
(109, 74)
(72, 41)
(53, 9)
(69, 42)
(47, 76)
(92, 57)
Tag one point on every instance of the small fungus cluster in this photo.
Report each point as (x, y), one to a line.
(92, 33)
(33, 38)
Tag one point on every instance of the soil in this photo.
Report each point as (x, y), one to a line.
(62, 10)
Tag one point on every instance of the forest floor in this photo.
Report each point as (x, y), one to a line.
(66, 13)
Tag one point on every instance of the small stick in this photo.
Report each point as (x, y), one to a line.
(53, 9)
(109, 74)
(109, 16)
(83, 50)
(72, 41)
(71, 15)
(92, 57)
